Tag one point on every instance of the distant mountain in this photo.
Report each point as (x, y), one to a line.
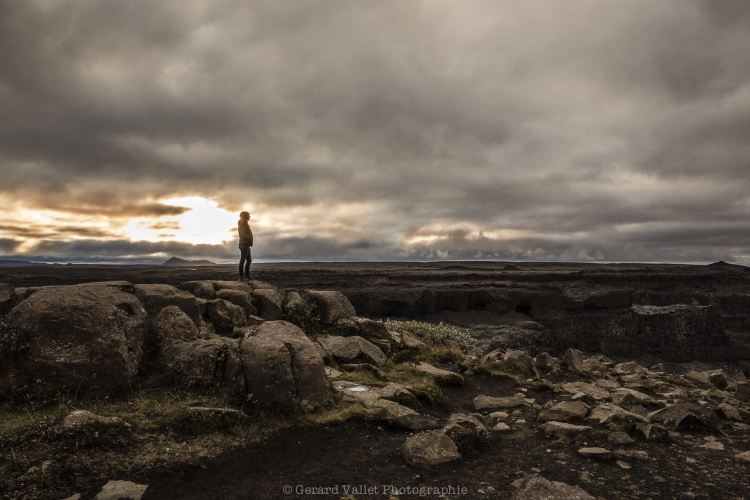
(12, 262)
(724, 265)
(177, 262)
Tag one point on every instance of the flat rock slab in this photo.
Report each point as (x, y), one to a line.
(561, 429)
(429, 448)
(744, 456)
(494, 403)
(439, 373)
(501, 427)
(80, 418)
(121, 490)
(535, 487)
(563, 411)
(590, 390)
(352, 350)
(595, 452)
(608, 413)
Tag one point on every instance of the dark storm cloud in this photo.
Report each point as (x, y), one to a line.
(611, 130)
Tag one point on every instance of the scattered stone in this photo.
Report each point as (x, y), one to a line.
(742, 392)
(623, 465)
(713, 445)
(564, 411)
(653, 432)
(498, 414)
(466, 431)
(121, 490)
(429, 448)
(398, 393)
(535, 487)
(745, 455)
(332, 373)
(404, 417)
(718, 379)
(619, 437)
(545, 362)
(515, 361)
(75, 496)
(592, 391)
(607, 384)
(572, 360)
(687, 416)
(352, 350)
(79, 418)
(441, 375)
(595, 452)
(629, 397)
(593, 366)
(493, 403)
(632, 454)
(562, 429)
(629, 368)
(501, 427)
(612, 413)
(700, 378)
(728, 411)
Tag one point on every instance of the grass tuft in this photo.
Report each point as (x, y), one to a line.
(435, 334)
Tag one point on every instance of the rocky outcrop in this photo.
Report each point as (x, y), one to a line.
(268, 302)
(238, 298)
(87, 335)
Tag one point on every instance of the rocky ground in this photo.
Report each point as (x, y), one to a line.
(414, 408)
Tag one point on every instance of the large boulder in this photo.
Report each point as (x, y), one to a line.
(170, 325)
(225, 316)
(352, 350)
(268, 303)
(238, 298)
(89, 336)
(329, 306)
(156, 297)
(198, 363)
(283, 368)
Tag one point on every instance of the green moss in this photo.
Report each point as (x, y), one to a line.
(435, 334)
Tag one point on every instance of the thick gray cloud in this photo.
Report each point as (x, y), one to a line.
(518, 130)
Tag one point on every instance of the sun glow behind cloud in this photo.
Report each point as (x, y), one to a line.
(205, 223)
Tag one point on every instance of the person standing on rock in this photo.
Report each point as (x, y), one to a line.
(246, 241)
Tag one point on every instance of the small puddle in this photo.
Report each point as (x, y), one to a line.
(357, 388)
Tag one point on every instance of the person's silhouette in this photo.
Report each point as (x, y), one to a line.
(246, 241)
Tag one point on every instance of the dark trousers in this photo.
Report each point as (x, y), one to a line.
(245, 260)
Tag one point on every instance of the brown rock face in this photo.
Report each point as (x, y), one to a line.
(197, 363)
(329, 306)
(283, 368)
(85, 334)
(156, 297)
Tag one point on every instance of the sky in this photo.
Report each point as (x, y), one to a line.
(541, 130)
